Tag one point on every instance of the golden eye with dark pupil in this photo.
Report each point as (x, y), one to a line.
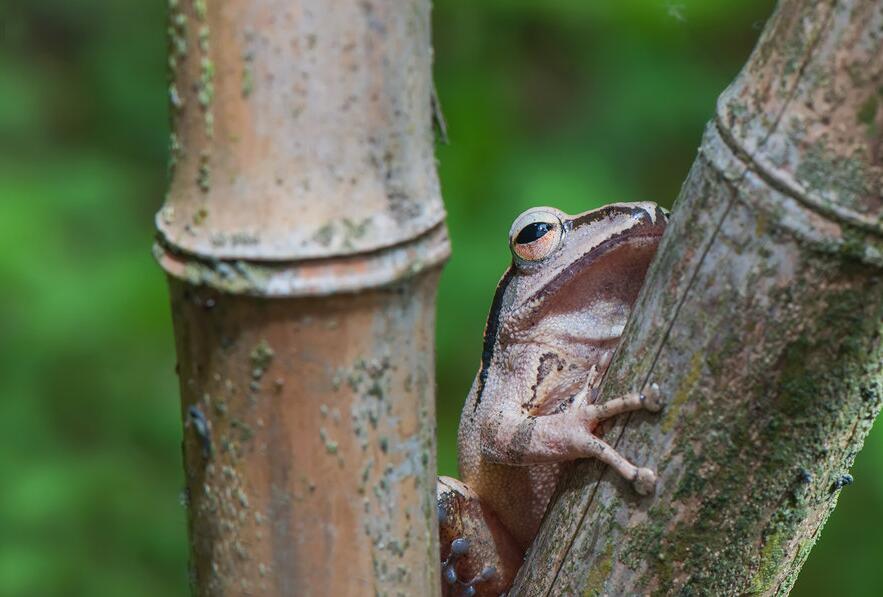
(532, 232)
(535, 235)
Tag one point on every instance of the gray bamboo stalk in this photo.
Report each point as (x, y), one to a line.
(761, 319)
(302, 236)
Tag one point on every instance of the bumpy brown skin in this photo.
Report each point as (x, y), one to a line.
(554, 325)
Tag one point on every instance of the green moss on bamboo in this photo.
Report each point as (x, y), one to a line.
(176, 152)
(599, 573)
(247, 78)
(206, 93)
(204, 172)
(771, 557)
(746, 481)
(821, 173)
(261, 356)
(686, 387)
(177, 37)
(200, 7)
(867, 113)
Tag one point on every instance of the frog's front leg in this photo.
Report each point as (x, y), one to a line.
(515, 437)
(652, 400)
(479, 556)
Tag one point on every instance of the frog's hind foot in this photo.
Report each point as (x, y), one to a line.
(460, 548)
(479, 557)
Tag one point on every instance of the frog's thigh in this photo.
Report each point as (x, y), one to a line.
(487, 543)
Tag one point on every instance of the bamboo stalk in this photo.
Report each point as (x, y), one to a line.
(302, 236)
(762, 319)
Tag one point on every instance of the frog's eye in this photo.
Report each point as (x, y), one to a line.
(535, 234)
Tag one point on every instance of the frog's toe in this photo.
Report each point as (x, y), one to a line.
(644, 481)
(487, 573)
(449, 574)
(653, 398)
(459, 547)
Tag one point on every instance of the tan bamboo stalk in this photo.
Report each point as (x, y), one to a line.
(762, 319)
(302, 236)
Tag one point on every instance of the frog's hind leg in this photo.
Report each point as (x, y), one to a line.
(478, 555)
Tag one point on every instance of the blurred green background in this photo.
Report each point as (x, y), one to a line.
(564, 102)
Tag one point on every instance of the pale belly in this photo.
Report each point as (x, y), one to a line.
(518, 495)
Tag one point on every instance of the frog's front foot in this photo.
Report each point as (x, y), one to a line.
(644, 481)
(652, 399)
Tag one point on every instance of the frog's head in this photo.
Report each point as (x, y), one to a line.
(577, 277)
(570, 290)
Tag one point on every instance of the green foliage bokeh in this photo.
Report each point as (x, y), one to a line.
(565, 102)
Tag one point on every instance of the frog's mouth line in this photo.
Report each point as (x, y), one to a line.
(604, 249)
(571, 284)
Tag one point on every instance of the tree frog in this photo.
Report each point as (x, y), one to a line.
(556, 320)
